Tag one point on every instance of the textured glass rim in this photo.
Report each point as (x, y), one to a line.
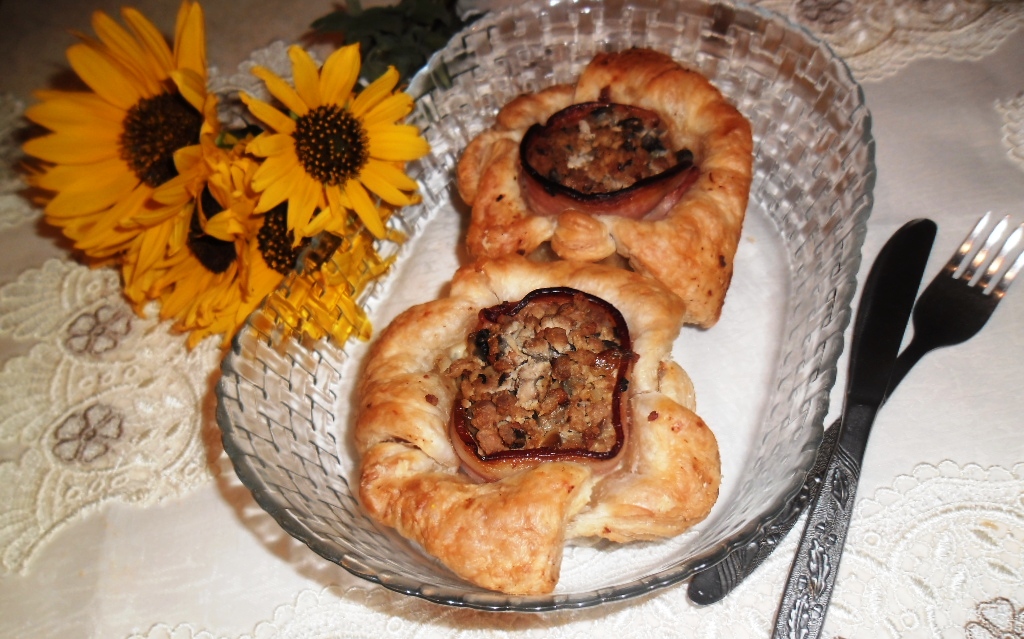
(680, 570)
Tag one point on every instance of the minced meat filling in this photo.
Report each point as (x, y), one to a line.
(544, 377)
(605, 149)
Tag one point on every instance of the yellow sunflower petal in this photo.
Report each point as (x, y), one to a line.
(224, 227)
(154, 214)
(269, 115)
(339, 75)
(306, 75)
(396, 143)
(190, 38)
(192, 87)
(59, 113)
(338, 206)
(302, 203)
(187, 159)
(78, 176)
(390, 109)
(261, 282)
(151, 39)
(372, 95)
(319, 223)
(103, 76)
(281, 90)
(337, 201)
(179, 233)
(101, 236)
(364, 207)
(276, 192)
(152, 242)
(172, 191)
(377, 182)
(127, 50)
(271, 144)
(273, 169)
(86, 198)
(86, 102)
(393, 175)
(131, 71)
(91, 134)
(62, 148)
(180, 20)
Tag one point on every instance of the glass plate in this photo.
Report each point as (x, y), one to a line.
(763, 374)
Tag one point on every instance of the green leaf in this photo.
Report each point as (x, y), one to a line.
(403, 35)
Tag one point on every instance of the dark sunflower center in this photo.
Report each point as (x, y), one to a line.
(331, 144)
(214, 254)
(153, 130)
(275, 240)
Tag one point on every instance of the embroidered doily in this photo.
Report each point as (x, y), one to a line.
(105, 406)
(877, 38)
(1012, 112)
(997, 619)
(939, 553)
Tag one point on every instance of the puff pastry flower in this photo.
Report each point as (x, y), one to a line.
(687, 240)
(507, 532)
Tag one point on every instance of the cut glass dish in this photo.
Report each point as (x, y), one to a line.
(763, 374)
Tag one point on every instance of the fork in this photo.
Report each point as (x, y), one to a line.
(961, 298)
(951, 310)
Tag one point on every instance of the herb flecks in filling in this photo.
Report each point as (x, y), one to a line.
(544, 375)
(603, 148)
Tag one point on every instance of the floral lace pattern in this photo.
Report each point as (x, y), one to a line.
(105, 406)
(879, 37)
(936, 554)
(997, 619)
(1012, 112)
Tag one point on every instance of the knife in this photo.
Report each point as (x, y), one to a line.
(882, 317)
(712, 584)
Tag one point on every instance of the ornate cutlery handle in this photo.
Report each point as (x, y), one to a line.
(811, 579)
(714, 583)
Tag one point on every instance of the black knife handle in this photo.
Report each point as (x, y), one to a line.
(813, 575)
(711, 585)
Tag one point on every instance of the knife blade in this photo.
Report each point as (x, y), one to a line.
(882, 317)
(712, 584)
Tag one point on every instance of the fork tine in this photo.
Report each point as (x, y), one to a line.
(1001, 258)
(979, 258)
(1007, 279)
(968, 244)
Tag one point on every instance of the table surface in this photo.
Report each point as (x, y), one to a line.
(159, 539)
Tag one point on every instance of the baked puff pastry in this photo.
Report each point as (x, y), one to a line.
(687, 240)
(506, 531)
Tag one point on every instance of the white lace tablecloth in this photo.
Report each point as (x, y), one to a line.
(120, 516)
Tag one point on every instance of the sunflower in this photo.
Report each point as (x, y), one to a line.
(111, 148)
(199, 273)
(334, 149)
(227, 259)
